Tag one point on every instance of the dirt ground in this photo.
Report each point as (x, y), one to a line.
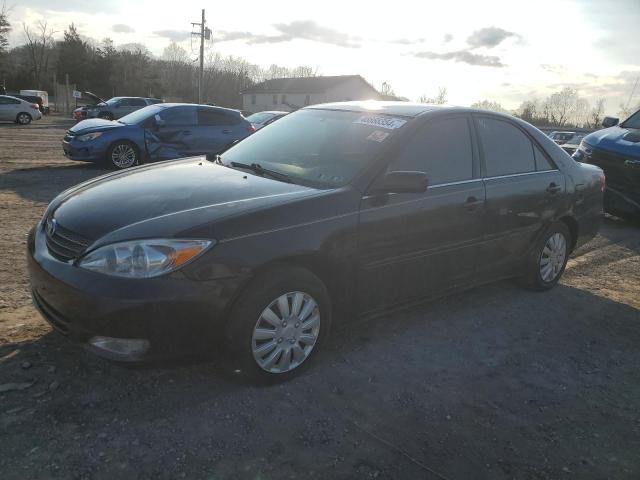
(495, 383)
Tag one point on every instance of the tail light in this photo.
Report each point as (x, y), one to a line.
(251, 128)
(35, 106)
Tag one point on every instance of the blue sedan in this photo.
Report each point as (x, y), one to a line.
(157, 132)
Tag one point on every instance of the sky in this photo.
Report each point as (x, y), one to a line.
(504, 51)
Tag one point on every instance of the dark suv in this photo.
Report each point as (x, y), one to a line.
(112, 109)
(616, 150)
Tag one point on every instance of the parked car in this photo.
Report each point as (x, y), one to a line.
(616, 149)
(158, 132)
(43, 95)
(17, 110)
(354, 207)
(112, 109)
(561, 137)
(571, 145)
(262, 119)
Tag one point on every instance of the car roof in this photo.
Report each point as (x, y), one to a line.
(168, 105)
(11, 96)
(274, 112)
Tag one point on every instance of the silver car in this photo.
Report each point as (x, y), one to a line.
(20, 111)
(118, 107)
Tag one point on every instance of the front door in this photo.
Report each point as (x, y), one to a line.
(524, 190)
(416, 245)
(171, 134)
(9, 108)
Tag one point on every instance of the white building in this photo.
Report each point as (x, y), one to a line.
(288, 94)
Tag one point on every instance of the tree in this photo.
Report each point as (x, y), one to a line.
(74, 54)
(489, 105)
(528, 111)
(39, 43)
(561, 106)
(5, 28)
(596, 113)
(439, 99)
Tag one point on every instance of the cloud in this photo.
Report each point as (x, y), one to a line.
(447, 37)
(553, 68)
(463, 56)
(299, 29)
(175, 35)
(122, 28)
(489, 37)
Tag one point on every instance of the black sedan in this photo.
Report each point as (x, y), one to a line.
(350, 207)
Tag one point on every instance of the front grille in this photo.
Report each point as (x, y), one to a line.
(64, 244)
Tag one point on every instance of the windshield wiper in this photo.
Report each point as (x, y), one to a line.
(259, 170)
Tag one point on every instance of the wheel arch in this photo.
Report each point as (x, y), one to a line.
(112, 144)
(572, 225)
(23, 113)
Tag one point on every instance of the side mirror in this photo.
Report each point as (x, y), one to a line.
(401, 182)
(610, 122)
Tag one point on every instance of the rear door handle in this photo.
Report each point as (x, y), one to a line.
(226, 131)
(472, 203)
(553, 188)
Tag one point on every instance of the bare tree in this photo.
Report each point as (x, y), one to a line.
(561, 106)
(489, 105)
(529, 110)
(439, 99)
(596, 113)
(39, 44)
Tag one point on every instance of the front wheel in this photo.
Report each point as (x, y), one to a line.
(123, 155)
(23, 118)
(278, 324)
(549, 258)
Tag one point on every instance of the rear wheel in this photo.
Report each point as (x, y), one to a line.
(123, 155)
(23, 118)
(278, 324)
(549, 258)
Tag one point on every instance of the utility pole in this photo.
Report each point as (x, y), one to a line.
(204, 34)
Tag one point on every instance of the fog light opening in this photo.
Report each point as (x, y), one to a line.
(130, 347)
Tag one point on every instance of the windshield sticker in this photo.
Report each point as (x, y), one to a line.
(384, 122)
(378, 136)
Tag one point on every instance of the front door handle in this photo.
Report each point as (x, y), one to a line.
(553, 188)
(472, 203)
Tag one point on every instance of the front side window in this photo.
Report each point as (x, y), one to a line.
(441, 149)
(178, 116)
(507, 150)
(319, 148)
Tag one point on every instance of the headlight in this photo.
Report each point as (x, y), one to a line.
(88, 136)
(143, 258)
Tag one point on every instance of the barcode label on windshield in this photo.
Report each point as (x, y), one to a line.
(389, 123)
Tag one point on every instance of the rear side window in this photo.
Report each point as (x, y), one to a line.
(441, 149)
(178, 116)
(213, 117)
(542, 162)
(137, 102)
(506, 149)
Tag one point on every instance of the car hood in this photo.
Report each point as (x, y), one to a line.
(165, 199)
(94, 97)
(94, 125)
(623, 141)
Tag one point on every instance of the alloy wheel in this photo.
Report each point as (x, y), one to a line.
(553, 257)
(123, 156)
(24, 119)
(286, 332)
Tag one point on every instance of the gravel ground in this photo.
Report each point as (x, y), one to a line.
(494, 383)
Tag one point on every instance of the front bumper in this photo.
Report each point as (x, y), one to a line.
(83, 151)
(173, 314)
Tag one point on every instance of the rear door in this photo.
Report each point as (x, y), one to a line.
(171, 134)
(216, 130)
(420, 244)
(525, 192)
(9, 108)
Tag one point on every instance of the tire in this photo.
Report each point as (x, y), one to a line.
(546, 263)
(123, 154)
(23, 118)
(251, 329)
(105, 115)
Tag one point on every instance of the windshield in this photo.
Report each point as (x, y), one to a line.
(633, 121)
(141, 115)
(260, 117)
(320, 148)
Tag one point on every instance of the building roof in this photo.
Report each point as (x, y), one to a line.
(405, 109)
(308, 85)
